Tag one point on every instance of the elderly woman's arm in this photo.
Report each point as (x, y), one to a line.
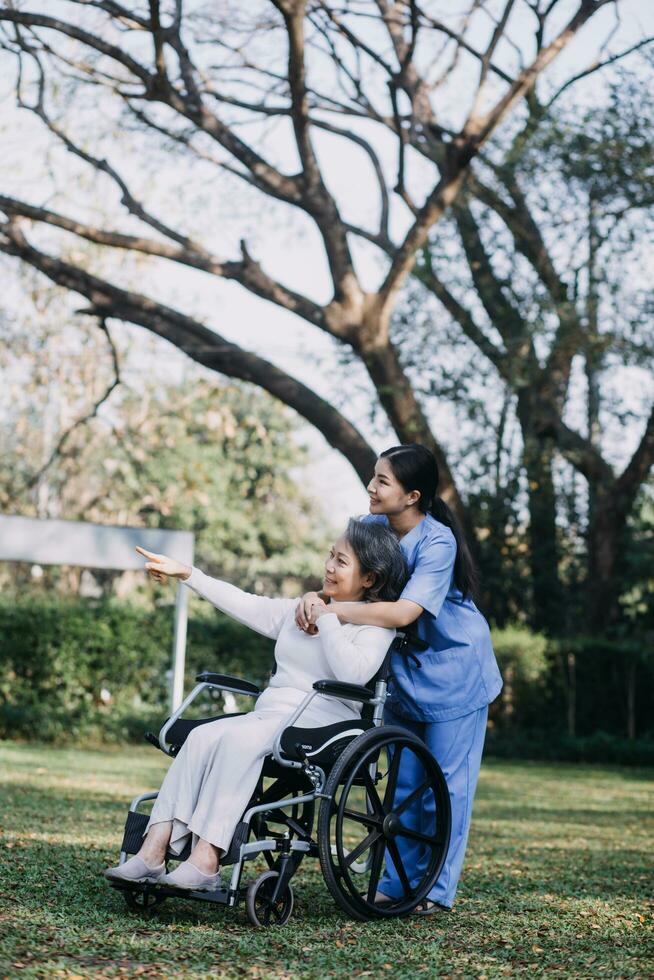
(260, 613)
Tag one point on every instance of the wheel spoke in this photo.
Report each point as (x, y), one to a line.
(365, 818)
(393, 774)
(375, 869)
(403, 831)
(399, 866)
(352, 856)
(373, 794)
(412, 797)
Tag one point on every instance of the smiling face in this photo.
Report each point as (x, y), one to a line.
(386, 493)
(343, 580)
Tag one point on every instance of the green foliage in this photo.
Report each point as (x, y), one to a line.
(56, 657)
(220, 459)
(575, 686)
(219, 463)
(544, 744)
(522, 658)
(521, 651)
(637, 574)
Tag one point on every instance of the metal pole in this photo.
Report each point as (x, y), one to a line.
(179, 647)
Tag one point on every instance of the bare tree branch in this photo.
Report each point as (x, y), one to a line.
(503, 315)
(596, 66)
(247, 272)
(65, 436)
(198, 342)
(316, 198)
(84, 37)
(427, 275)
(461, 151)
(635, 473)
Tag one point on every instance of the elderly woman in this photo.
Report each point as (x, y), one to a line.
(211, 781)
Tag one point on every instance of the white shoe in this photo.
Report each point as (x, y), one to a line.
(189, 878)
(135, 869)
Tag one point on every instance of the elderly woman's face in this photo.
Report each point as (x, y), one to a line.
(343, 580)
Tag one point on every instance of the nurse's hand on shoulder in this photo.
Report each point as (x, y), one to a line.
(161, 567)
(303, 612)
(318, 609)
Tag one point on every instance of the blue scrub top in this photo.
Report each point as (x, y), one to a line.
(458, 674)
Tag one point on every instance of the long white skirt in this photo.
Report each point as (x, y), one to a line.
(212, 779)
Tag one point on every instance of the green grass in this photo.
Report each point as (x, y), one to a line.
(557, 882)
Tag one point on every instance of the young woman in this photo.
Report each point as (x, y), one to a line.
(211, 780)
(445, 698)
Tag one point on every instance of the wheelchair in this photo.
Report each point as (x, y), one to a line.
(346, 774)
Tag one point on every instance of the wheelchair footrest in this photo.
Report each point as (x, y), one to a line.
(222, 896)
(240, 837)
(133, 836)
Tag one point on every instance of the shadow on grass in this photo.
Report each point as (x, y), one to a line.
(562, 769)
(569, 872)
(67, 879)
(554, 816)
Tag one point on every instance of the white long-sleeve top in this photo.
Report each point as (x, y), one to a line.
(338, 652)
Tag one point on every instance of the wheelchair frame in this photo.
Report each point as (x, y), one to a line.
(269, 898)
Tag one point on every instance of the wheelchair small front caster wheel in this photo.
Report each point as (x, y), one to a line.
(263, 908)
(143, 901)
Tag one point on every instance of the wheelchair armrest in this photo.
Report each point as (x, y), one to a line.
(227, 683)
(341, 689)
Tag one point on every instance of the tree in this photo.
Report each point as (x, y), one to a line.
(579, 196)
(193, 453)
(195, 77)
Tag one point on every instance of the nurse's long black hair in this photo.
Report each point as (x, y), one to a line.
(416, 468)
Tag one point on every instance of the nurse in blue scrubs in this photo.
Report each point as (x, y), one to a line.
(445, 699)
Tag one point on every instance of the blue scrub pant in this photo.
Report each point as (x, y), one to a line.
(457, 746)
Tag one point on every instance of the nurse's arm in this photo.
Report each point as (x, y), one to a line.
(391, 615)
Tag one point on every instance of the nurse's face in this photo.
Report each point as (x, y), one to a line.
(343, 580)
(386, 493)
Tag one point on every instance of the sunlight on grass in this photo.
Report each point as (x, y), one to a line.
(557, 883)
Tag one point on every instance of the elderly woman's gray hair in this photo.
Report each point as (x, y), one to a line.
(379, 554)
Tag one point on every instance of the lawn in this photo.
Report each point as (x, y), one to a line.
(558, 882)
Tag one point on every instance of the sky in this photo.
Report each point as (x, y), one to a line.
(287, 248)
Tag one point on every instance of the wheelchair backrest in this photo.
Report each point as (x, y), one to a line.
(405, 642)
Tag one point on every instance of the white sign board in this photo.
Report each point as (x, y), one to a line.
(89, 545)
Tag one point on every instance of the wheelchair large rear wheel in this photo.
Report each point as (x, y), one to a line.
(386, 801)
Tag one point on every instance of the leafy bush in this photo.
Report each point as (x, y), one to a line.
(550, 746)
(522, 659)
(57, 657)
(576, 684)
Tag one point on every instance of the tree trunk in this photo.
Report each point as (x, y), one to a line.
(571, 691)
(631, 698)
(603, 536)
(405, 414)
(538, 454)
